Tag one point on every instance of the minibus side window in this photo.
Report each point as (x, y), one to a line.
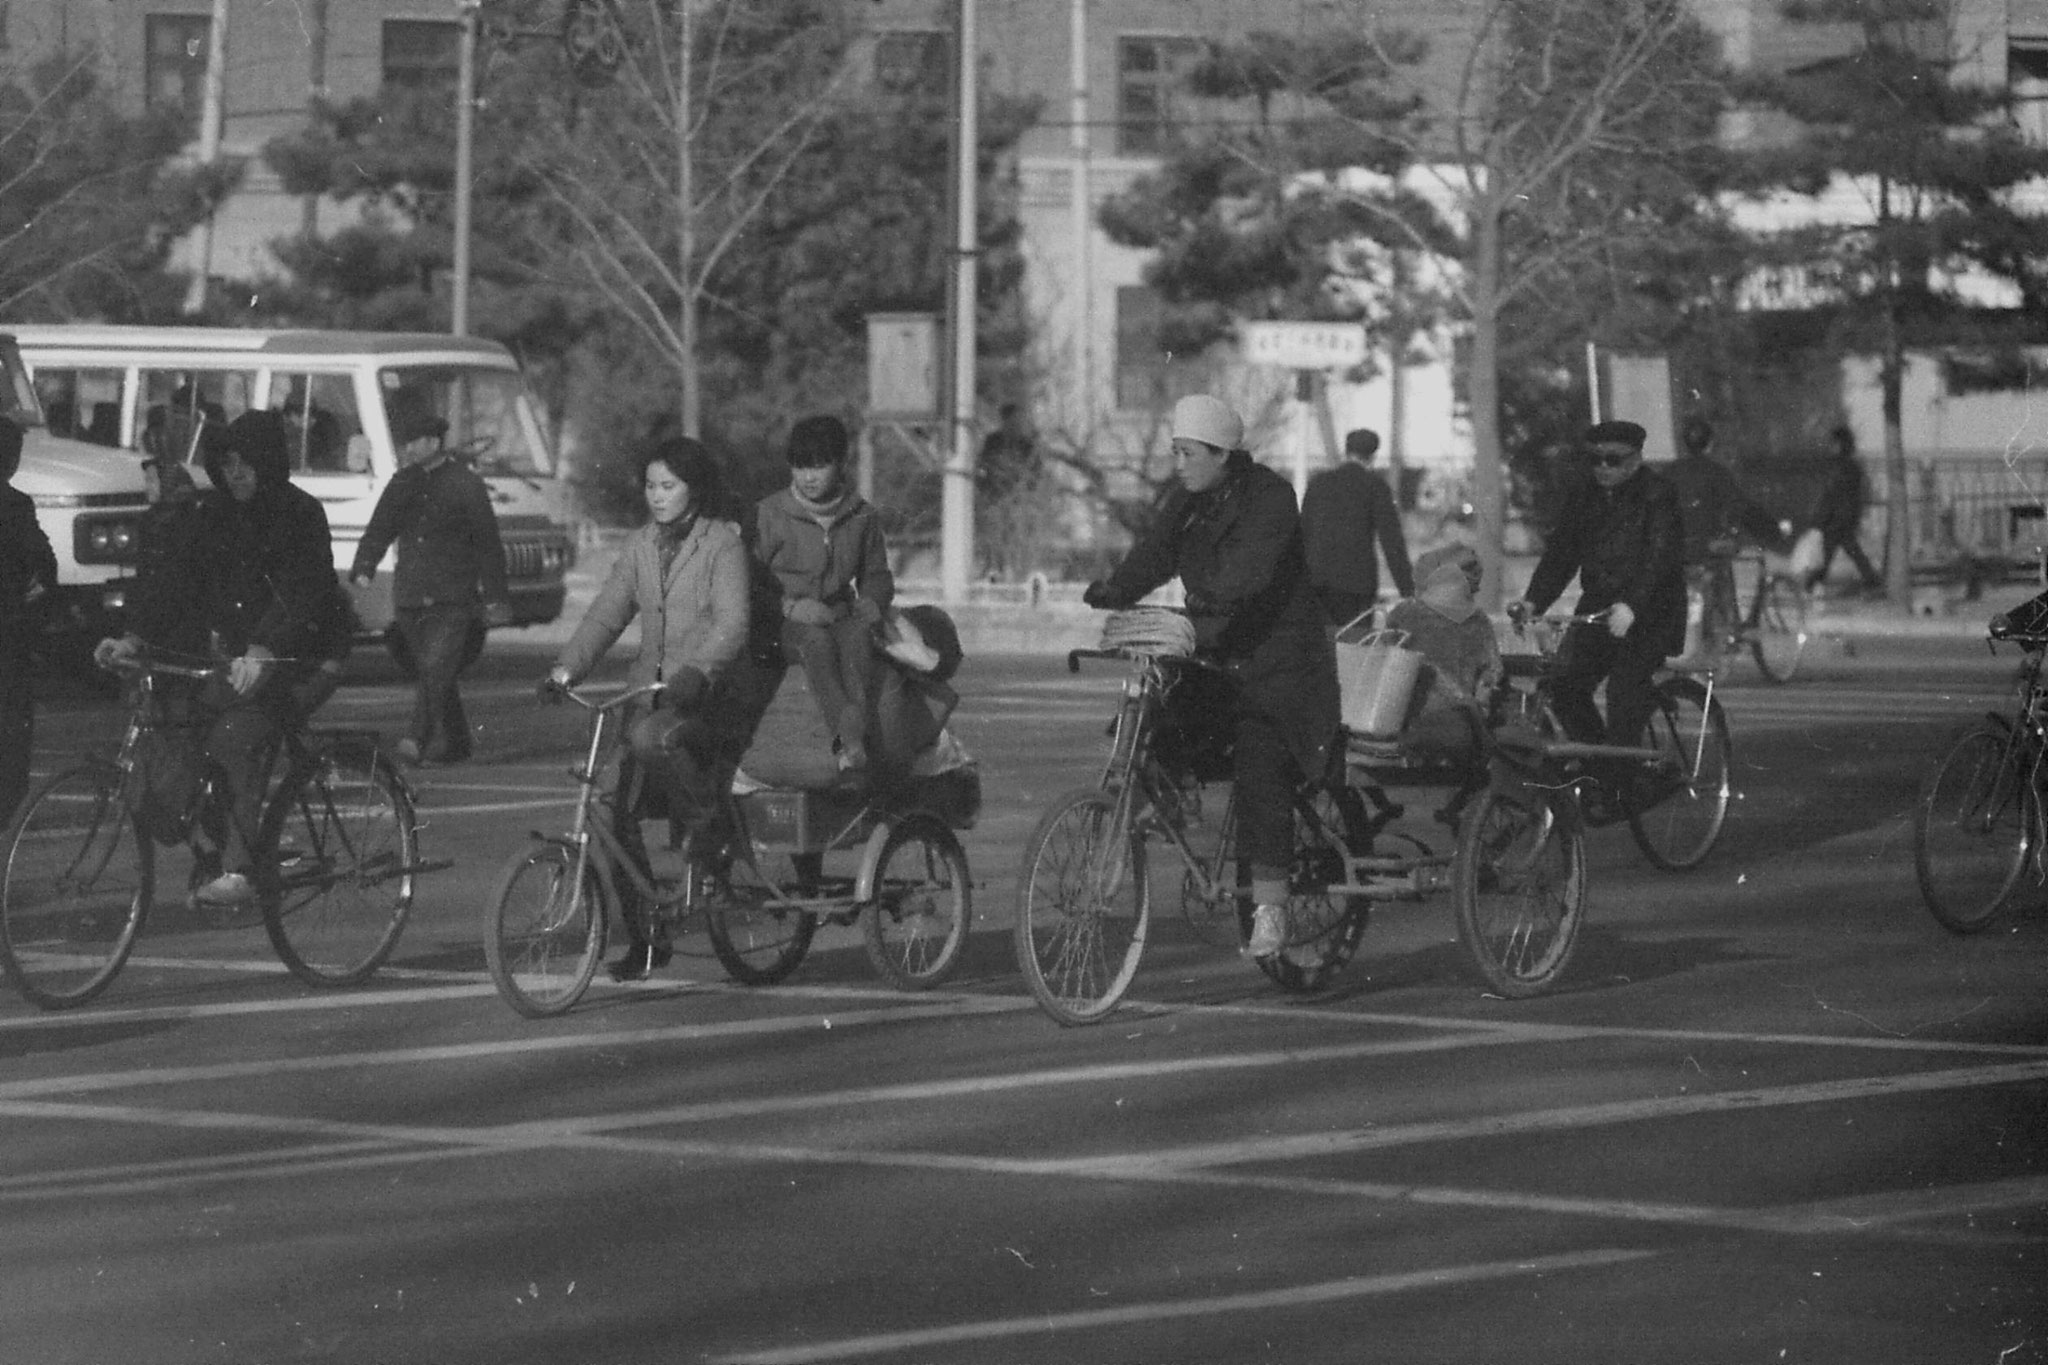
(178, 403)
(320, 410)
(82, 404)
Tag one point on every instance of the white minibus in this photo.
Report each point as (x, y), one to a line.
(160, 389)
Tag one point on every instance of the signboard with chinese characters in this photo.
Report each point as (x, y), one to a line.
(1304, 345)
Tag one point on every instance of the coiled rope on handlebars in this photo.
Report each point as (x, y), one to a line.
(1158, 631)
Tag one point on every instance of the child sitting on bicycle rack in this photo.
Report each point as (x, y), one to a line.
(1443, 623)
(821, 544)
(684, 574)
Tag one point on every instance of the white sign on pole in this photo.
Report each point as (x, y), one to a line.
(1304, 345)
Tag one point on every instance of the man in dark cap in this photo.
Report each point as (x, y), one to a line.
(258, 571)
(450, 580)
(28, 569)
(1348, 520)
(1622, 534)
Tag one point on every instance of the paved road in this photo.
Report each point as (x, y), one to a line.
(1776, 1114)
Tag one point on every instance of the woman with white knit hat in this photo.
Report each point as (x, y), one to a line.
(1231, 533)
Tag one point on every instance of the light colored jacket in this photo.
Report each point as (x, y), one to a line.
(696, 619)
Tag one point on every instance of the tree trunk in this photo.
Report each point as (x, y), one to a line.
(1489, 488)
(1898, 520)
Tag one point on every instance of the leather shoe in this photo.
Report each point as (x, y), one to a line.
(640, 961)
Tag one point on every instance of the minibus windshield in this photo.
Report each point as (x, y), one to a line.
(491, 420)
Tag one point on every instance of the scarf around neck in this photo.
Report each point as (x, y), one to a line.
(827, 512)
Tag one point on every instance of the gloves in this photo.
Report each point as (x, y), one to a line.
(2001, 629)
(497, 614)
(809, 611)
(1098, 595)
(246, 674)
(870, 613)
(1620, 617)
(113, 653)
(552, 688)
(1519, 610)
(686, 691)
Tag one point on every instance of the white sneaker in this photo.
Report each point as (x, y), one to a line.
(229, 888)
(1269, 931)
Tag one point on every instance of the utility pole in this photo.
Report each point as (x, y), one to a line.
(1083, 225)
(465, 162)
(956, 523)
(212, 113)
(316, 94)
(686, 222)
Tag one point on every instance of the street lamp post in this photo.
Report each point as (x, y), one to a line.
(956, 524)
(465, 157)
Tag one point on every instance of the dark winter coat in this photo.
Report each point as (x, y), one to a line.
(262, 573)
(1839, 509)
(26, 560)
(1625, 544)
(449, 552)
(1237, 550)
(1346, 513)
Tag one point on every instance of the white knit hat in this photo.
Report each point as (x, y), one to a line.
(1198, 417)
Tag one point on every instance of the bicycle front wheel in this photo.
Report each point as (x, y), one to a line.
(1973, 825)
(1519, 884)
(1083, 907)
(545, 933)
(346, 852)
(757, 941)
(76, 886)
(1676, 808)
(1778, 634)
(916, 928)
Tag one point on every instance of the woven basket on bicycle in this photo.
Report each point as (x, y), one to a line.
(1155, 631)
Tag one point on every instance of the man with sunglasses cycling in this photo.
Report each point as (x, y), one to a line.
(1623, 535)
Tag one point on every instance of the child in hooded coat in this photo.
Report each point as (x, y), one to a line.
(1462, 659)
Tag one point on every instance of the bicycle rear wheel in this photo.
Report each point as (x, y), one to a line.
(346, 851)
(1676, 809)
(1777, 637)
(1973, 824)
(544, 935)
(758, 943)
(1519, 885)
(76, 885)
(916, 929)
(1083, 907)
(1323, 931)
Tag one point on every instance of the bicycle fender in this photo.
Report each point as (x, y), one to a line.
(871, 851)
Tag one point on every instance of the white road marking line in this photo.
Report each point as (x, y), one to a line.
(428, 810)
(1167, 1310)
(1568, 1117)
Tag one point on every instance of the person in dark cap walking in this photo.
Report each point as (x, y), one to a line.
(1838, 513)
(1348, 520)
(28, 569)
(258, 570)
(450, 579)
(1622, 535)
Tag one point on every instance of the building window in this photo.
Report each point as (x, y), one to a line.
(913, 62)
(2026, 72)
(174, 61)
(1149, 378)
(1148, 80)
(421, 53)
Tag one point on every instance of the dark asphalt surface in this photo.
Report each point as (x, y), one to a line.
(1775, 1114)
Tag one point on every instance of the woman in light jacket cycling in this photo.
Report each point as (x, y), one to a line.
(684, 574)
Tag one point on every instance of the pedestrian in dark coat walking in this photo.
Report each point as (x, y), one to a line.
(1838, 512)
(450, 578)
(1230, 532)
(1348, 520)
(28, 570)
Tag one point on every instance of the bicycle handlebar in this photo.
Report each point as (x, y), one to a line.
(1074, 657)
(144, 662)
(588, 702)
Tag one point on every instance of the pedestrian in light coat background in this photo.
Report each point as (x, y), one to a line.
(451, 570)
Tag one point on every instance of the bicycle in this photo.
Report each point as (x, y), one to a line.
(1773, 625)
(1517, 871)
(337, 853)
(1677, 801)
(1977, 819)
(547, 924)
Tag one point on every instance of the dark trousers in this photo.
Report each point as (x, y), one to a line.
(437, 636)
(839, 661)
(1845, 541)
(242, 742)
(17, 719)
(1628, 666)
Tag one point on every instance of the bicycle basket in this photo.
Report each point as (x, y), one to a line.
(1149, 630)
